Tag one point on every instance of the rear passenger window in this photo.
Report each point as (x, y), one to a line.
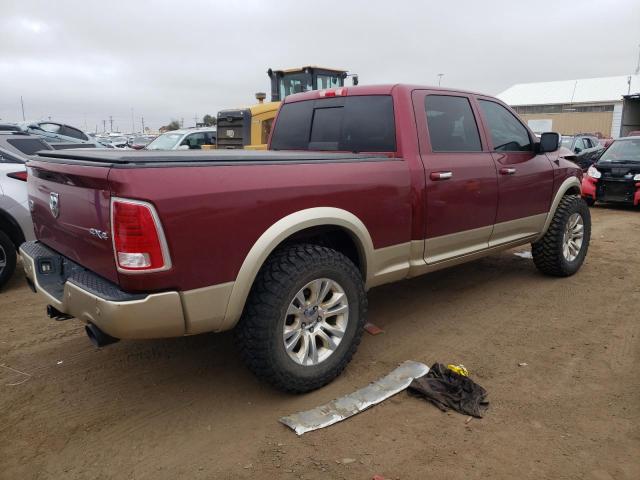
(6, 158)
(292, 126)
(29, 145)
(507, 133)
(452, 126)
(353, 124)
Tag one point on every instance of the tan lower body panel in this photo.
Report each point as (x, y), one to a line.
(448, 250)
(172, 314)
(156, 316)
(514, 230)
(457, 244)
(204, 308)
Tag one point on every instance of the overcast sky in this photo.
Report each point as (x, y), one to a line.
(81, 61)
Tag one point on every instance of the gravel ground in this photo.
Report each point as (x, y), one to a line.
(187, 408)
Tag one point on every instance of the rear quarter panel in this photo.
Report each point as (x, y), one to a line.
(213, 215)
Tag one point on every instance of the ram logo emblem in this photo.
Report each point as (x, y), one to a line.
(54, 204)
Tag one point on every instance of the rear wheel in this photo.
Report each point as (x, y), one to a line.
(562, 250)
(304, 318)
(7, 258)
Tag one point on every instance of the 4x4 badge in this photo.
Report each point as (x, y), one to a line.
(54, 204)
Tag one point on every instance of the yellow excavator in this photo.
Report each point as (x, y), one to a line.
(249, 128)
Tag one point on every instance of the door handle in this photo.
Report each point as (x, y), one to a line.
(507, 171)
(440, 175)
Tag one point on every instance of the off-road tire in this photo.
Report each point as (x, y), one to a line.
(10, 252)
(259, 332)
(547, 252)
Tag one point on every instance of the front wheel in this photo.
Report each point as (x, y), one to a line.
(303, 319)
(7, 258)
(562, 250)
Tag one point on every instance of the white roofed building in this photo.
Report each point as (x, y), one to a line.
(589, 105)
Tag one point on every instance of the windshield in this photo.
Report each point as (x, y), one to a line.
(140, 140)
(166, 141)
(294, 83)
(567, 141)
(622, 151)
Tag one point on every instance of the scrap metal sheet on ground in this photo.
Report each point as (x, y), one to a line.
(349, 405)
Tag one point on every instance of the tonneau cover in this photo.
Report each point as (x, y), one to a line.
(121, 158)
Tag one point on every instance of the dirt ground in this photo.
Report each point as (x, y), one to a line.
(187, 408)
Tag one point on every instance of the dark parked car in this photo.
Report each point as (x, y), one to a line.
(615, 177)
(586, 149)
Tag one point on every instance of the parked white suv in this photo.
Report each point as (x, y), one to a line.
(185, 139)
(15, 218)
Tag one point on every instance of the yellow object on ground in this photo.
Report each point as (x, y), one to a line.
(459, 369)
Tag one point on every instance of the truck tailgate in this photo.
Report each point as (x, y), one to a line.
(70, 207)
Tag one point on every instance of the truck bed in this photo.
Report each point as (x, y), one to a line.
(212, 205)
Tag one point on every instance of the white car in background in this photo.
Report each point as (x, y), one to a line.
(184, 139)
(15, 217)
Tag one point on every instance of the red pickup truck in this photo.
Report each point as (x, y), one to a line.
(362, 186)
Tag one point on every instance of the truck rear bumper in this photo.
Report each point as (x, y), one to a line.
(79, 293)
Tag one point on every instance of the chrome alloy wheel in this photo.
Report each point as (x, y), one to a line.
(315, 322)
(3, 259)
(573, 237)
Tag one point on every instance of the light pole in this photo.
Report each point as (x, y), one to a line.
(440, 75)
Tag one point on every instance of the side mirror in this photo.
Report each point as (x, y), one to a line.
(354, 80)
(549, 142)
(183, 147)
(577, 150)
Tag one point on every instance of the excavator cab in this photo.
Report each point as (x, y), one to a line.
(304, 79)
(249, 128)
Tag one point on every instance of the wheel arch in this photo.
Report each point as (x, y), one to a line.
(297, 225)
(570, 186)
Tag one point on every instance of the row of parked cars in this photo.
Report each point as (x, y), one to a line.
(63, 136)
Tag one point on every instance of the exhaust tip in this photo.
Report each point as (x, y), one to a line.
(98, 337)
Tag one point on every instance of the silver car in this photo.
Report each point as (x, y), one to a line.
(15, 218)
(185, 139)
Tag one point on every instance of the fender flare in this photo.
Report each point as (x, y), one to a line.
(568, 183)
(279, 232)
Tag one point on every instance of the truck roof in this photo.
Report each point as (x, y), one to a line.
(384, 89)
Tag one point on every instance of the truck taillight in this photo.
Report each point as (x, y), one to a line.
(138, 240)
(18, 175)
(338, 92)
